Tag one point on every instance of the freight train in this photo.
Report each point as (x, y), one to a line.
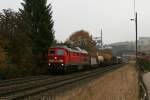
(63, 59)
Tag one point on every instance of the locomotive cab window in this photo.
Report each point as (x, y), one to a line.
(52, 52)
(60, 52)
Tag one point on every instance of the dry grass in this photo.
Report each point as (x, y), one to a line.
(121, 84)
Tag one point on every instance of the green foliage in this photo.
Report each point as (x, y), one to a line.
(144, 64)
(38, 19)
(24, 39)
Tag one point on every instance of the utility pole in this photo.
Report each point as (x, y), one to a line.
(136, 29)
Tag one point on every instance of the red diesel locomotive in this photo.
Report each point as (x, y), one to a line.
(62, 58)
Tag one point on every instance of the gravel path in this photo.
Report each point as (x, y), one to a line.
(146, 78)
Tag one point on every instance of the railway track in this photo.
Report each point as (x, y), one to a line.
(21, 80)
(35, 86)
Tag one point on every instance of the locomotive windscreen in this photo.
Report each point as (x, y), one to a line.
(60, 52)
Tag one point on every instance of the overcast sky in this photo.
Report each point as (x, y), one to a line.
(113, 16)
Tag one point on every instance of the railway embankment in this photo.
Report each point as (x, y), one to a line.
(31, 88)
(120, 84)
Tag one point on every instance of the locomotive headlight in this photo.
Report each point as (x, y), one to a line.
(55, 58)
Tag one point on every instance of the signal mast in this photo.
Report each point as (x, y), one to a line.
(99, 41)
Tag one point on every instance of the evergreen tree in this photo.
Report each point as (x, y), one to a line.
(39, 26)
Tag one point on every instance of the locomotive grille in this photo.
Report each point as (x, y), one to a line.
(52, 60)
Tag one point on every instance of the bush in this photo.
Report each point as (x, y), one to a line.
(9, 72)
(144, 64)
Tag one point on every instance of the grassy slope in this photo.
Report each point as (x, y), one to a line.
(121, 84)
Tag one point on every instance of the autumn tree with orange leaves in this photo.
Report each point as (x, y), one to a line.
(82, 39)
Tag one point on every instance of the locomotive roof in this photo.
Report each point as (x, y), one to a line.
(73, 49)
